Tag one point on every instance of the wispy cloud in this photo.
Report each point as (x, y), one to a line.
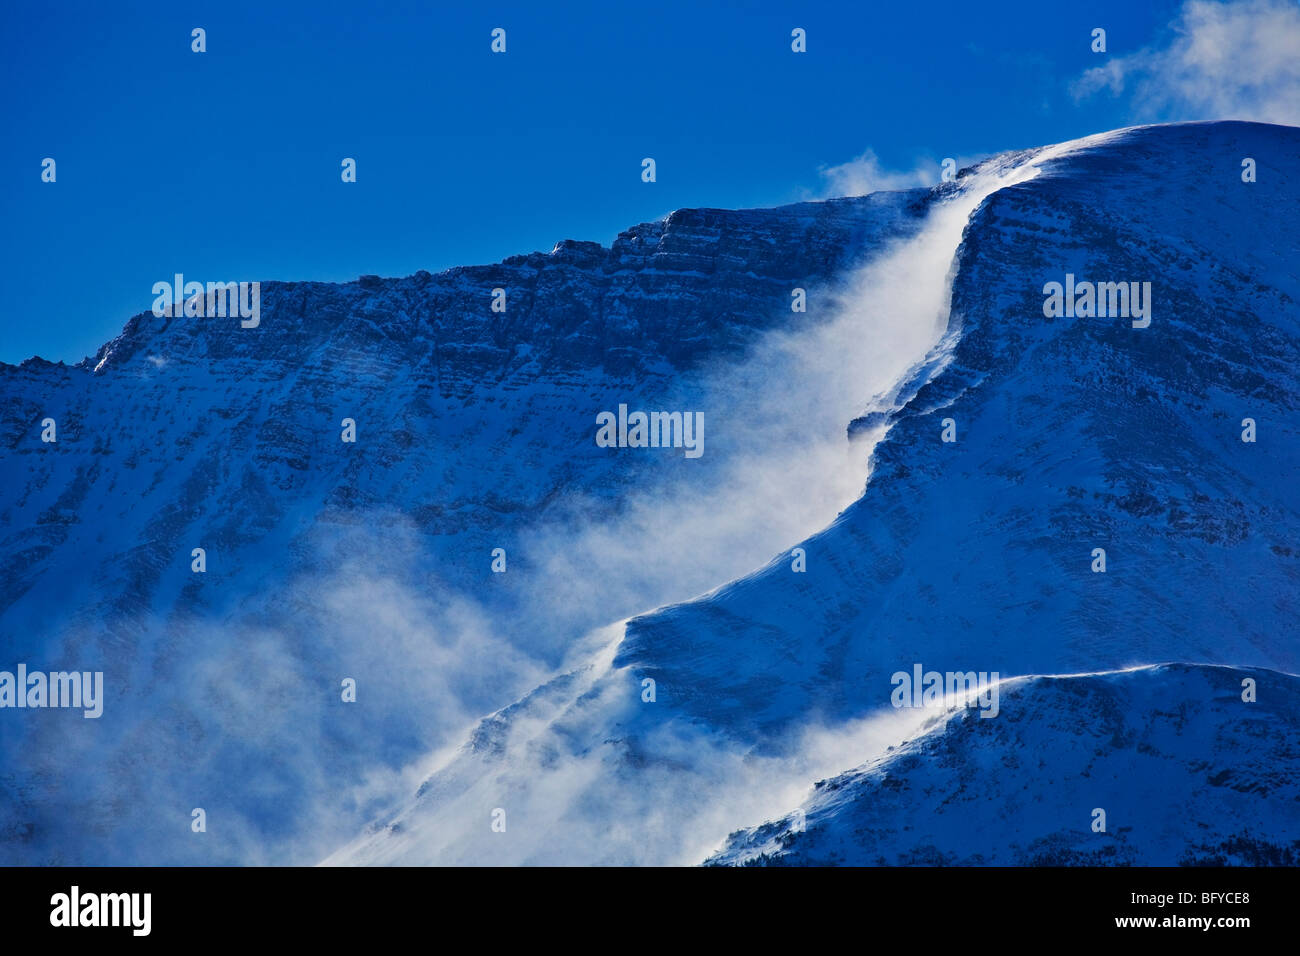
(1225, 61)
(865, 174)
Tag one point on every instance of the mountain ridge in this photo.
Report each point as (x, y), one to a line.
(476, 434)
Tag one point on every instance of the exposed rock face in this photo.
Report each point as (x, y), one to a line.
(468, 415)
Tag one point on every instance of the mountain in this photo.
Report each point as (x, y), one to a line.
(659, 667)
(328, 560)
(1169, 753)
(972, 555)
(1072, 434)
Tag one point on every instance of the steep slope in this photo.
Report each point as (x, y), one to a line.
(1186, 772)
(1072, 434)
(370, 560)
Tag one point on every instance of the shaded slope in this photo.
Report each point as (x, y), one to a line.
(1186, 772)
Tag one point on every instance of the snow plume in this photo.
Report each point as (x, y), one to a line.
(240, 713)
(574, 772)
(779, 466)
(865, 174)
(670, 800)
(243, 717)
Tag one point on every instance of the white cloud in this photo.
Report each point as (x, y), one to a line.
(864, 174)
(1226, 61)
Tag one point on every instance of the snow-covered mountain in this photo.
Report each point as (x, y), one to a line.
(771, 668)
(373, 560)
(1185, 771)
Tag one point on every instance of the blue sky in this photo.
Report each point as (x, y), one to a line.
(225, 165)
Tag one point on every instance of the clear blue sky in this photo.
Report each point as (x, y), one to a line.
(225, 165)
